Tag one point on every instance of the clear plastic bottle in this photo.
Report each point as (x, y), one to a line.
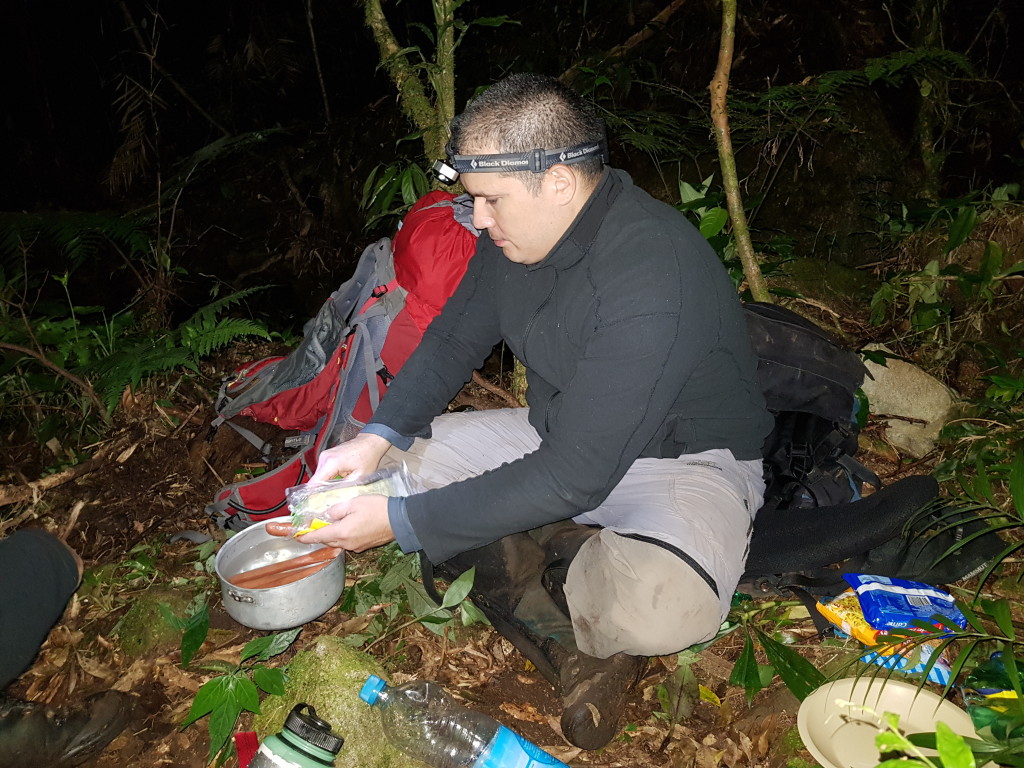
(426, 723)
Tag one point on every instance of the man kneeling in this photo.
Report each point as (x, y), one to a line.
(609, 520)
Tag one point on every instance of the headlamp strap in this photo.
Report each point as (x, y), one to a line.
(535, 161)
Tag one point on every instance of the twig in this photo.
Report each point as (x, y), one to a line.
(72, 520)
(316, 61)
(185, 421)
(209, 466)
(646, 32)
(12, 494)
(494, 389)
(46, 363)
(14, 522)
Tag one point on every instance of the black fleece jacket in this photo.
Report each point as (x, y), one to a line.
(635, 346)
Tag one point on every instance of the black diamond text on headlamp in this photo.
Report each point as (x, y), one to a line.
(535, 161)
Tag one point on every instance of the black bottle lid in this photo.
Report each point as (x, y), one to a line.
(312, 729)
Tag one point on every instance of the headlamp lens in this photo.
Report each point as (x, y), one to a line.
(445, 172)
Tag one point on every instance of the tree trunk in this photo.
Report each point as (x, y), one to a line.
(719, 87)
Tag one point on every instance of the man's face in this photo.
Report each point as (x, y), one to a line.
(525, 226)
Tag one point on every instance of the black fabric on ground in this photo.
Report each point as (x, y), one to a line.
(800, 539)
(38, 576)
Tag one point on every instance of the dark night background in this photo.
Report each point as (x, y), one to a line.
(283, 208)
(249, 64)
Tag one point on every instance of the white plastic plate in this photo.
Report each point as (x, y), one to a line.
(842, 735)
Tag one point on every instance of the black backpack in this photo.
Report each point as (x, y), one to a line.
(810, 384)
(814, 524)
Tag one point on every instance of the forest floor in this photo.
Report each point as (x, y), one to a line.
(160, 470)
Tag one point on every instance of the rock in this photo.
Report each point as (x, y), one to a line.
(922, 403)
(145, 629)
(328, 677)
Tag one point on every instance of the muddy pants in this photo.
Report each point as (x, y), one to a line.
(660, 575)
(37, 578)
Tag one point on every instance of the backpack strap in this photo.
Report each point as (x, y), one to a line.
(858, 471)
(261, 445)
(462, 211)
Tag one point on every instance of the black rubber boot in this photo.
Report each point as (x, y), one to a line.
(593, 690)
(519, 587)
(507, 578)
(34, 735)
(594, 693)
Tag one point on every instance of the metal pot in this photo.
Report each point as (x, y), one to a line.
(281, 607)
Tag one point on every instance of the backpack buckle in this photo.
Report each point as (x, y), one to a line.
(379, 291)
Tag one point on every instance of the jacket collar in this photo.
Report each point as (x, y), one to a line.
(581, 233)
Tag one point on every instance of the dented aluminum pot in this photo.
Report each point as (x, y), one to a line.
(284, 607)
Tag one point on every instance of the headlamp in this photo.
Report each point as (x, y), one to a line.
(444, 172)
(535, 161)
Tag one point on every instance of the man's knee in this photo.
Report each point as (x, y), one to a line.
(635, 597)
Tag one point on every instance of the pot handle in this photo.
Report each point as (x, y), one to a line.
(240, 598)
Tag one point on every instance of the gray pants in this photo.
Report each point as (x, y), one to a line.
(625, 594)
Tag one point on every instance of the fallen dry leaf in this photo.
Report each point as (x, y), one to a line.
(176, 677)
(526, 712)
(140, 671)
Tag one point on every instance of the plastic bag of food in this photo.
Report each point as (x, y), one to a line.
(309, 502)
(845, 613)
(890, 603)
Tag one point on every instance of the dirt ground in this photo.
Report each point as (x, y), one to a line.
(154, 477)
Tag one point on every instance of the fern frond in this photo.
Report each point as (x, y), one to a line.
(201, 340)
(129, 366)
(215, 307)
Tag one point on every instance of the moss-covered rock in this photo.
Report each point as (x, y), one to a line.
(145, 629)
(328, 677)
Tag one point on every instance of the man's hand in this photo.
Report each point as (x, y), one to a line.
(356, 457)
(361, 523)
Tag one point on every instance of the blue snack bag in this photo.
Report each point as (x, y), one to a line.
(889, 603)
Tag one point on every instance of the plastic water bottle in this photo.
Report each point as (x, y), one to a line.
(426, 723)
(306, 741)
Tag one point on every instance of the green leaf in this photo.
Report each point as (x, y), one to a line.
(953, 750)
(222, 722)
(209, 695)
(459, 589)
(419, 602)
(712, 222)
(196, 629)
(397, 575)
(982, 485)
(471, 614)
(681, 694)
(889, 741)
(687, 194)
(961, 228)
(1016, 483)
(268, 679)
(744, 672)
(1015, 269)
(408, 187)
(999, 610)
(799, 675)
(270, 645)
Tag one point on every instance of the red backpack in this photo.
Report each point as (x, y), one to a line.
(329, 386)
